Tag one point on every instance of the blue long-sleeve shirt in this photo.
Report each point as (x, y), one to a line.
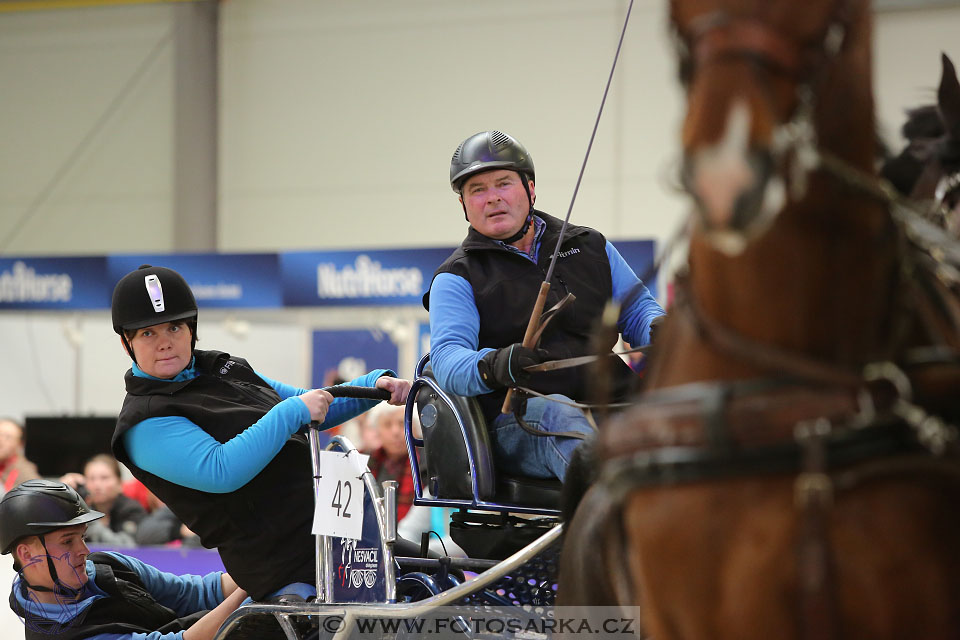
(184, 594)
(179, 451)
(455, 321)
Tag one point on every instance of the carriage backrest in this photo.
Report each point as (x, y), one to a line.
(456, 443)
(455, 457)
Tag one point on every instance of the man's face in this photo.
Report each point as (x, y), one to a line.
(496, 202)
(9, 439)
(69, 553)
(162, 350)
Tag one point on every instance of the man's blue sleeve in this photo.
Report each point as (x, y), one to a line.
(454, 336)
(638, 306)
(179, 451)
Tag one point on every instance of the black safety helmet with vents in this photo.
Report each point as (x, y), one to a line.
(149, 296)
(486, 151)
(36, 507)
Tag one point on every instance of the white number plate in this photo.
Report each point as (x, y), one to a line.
(339, 507)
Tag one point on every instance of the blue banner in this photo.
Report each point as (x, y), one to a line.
(251, 280)
(231, 280)
(362, 278)
(54, 283)
(342, 355)
(639, 254)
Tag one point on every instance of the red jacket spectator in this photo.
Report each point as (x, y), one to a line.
(14, 468)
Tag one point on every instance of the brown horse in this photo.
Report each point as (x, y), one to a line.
(784, 475)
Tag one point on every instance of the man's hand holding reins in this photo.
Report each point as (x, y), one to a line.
(505, 367)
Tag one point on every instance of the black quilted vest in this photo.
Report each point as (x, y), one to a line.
(129, 609)
(262, 530)
(505, 286)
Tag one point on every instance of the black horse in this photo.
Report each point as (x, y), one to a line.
(928, 168)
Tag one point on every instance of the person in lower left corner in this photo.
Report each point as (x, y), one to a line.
(64, 592)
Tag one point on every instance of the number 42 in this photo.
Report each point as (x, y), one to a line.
(338, 495)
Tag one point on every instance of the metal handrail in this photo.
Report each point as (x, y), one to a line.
(350, 612)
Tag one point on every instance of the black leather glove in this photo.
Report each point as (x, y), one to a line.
(504, 367)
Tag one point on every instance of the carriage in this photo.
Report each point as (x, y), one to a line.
(508, 526)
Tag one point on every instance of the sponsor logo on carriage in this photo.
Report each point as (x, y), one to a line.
(358, 567)
(568, 252)
(366, 278)
(24, 284)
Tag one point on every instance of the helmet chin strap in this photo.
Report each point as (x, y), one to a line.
(126, 343)
(58, 587)
(521, 233)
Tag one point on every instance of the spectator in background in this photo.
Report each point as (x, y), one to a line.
(162, 526)
(14, 467)
(389, 461)
(138, 491)
(362, 433)
(104, 489)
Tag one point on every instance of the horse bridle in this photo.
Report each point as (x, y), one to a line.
(718, 34)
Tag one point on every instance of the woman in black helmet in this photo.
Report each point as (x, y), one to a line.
(63, 591)
(218, 442)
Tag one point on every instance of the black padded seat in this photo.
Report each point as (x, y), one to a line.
(528, 492)
(447, 450)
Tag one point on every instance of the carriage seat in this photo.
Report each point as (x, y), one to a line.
(454, 435)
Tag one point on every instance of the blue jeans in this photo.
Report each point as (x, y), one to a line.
(516, 451)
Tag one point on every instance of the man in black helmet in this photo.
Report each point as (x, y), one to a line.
(481, 297)
(220, 443)
(63, 591)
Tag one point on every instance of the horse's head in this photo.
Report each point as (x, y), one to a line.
(753, 72)
(928, 169)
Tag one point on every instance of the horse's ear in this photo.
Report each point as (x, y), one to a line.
(948, 98)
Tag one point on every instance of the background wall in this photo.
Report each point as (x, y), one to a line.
(337, 121)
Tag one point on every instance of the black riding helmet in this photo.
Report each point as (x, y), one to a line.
(36, 507)
(486, 151)
(149, 296)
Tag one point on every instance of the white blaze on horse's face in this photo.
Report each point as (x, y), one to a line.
(726, 180)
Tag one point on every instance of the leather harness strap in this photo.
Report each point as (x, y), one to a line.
(750, 38)
(741, 414)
